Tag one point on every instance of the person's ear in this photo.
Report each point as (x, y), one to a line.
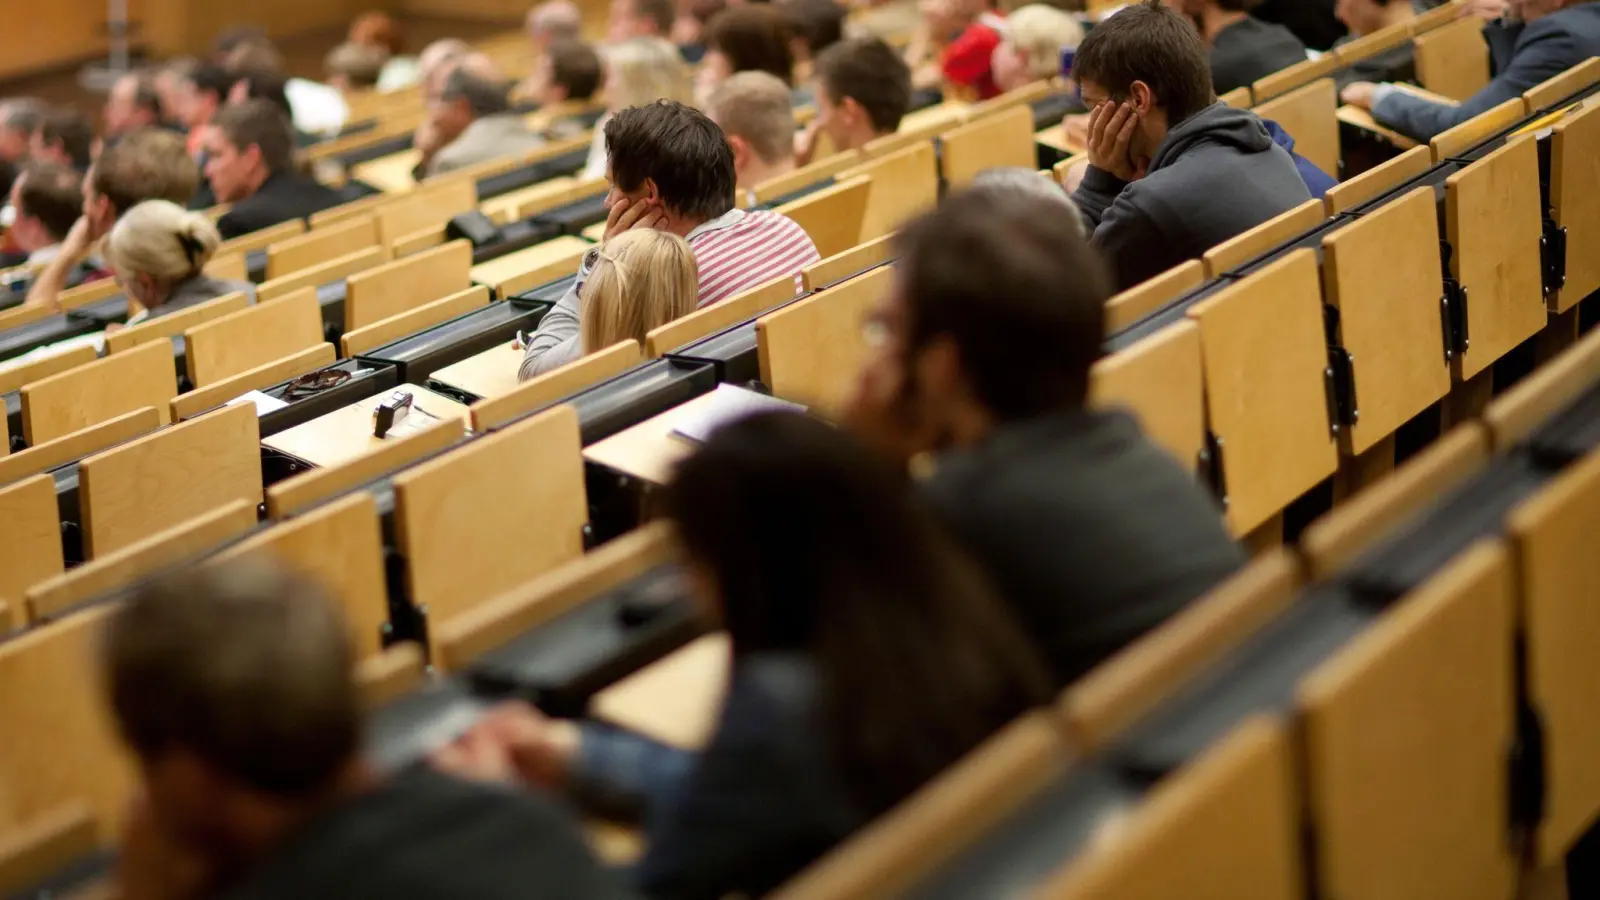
(252, 155)
(649, 192)
(741, 151)
(853, 113)
(1141, 97)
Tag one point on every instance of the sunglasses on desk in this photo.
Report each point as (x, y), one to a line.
(313, 383)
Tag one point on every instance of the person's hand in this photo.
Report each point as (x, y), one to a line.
(477, 756)
(539, 748)
(75, 246)
(1111, 127)
(1075, 128)
(805, 142)
(626, 214)
(1359, 93)
(1483, 9)
(152, 864)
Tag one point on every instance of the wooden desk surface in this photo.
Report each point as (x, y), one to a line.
(510, 266)
(596, 232)
(346, 433)
(390, 174)
(675, 700)
(1360, 118)
(489, 374)
(648, 450)
(1056, 137)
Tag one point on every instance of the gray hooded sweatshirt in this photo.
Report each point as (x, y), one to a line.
(1217, 174)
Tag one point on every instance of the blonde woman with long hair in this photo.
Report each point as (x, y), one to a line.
(159, 252)
(638, 71)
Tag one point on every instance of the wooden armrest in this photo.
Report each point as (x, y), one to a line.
(1360, 118)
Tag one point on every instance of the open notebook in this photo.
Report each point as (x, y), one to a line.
(727, 403)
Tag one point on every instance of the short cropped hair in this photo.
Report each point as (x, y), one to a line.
(1152, 44)
(73, 131)
(245, 665)
(485, 97)
(1015, 285)
(210, 79)
(820, 23)
(53, 194)
(149, 164)
(268, 85)
(360, 64)
(872, 74)
(262, 124)
(575, 66)
(755, 106)
(662, 12)
(755, 38)
(23, 114)
(146, 97)
(677, 147)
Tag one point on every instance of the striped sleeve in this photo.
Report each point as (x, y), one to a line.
(760, 247)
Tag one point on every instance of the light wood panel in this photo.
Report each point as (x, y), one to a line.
(413, 321)
(165, 478)
(50, 454)
(1575, 199)
(1243, 248)
(1308, 115)
(811, 350)
(1453, 60)
(315, 485)
(346, 433)
(97, 391)
(833, 217)
(262, 238)
(323, 273)
(243, 340)
(1560, 87)
(30, 539)
(1133, 304)
(288, 256)
(427, 207)
(1517, 412)
(676, 699)
(803, 177)
(187, 406)
(13, 377)
(1475, 130)
(165, 327)
(711, 319)
(1355, 191)
(1158, 379)
(854, 261)
(1003, 139)
(494, 412)
(904, 183)
(516, 272)
(393, 288)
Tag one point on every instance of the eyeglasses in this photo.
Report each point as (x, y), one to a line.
(313, 383)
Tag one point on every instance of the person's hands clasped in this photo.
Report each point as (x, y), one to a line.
(626, 214)
(1111, 128)
(1359, 93)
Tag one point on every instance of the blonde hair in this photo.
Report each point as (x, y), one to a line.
(643, 279)
(163, 240)
(1039, 33)
(645, 70)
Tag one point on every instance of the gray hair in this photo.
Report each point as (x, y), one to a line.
(1019, 180)
(556, 19)
(486, 97)
(24, 114)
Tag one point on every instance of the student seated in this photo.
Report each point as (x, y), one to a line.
(1243, 48)
(983, 350)
(1544, 39)
(671, 169)
(233, 688)
(863, 89)
(19, 119)
(355, 67)
(814, 26)
(552, 22)
(753, 37)
(867, 656)
(473, 118)
(1030, 182)
(1031, 48)
(1172, 170)
(47, 199)
(202, 93)
(149, 164)
(1364, 17)
(158, 252)
(250, 164)
(966, 33)
(638, 72)
(563, 85)
(752, 109)
(132, 104)
(65, 136)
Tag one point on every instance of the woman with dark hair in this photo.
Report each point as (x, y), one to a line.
(867, 656)
(750, 37)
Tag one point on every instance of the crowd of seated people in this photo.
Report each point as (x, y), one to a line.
(881, 626)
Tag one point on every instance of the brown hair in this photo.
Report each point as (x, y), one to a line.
(149, 164)
(755, 38)
(245, 665)
(755, 106)
(662, 12)
(642, 280)
(1152, 44)
(73, 131)
(360, 64)
(261, 124)
(53, 194)
(869, 72)
(575, 66)
(378, 29)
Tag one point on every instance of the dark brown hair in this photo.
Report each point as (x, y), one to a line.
(149, 164)
(819, 549)
(575, 66)
(872, 74)
(245, 665)
(754, 38)
(820, 23)
(1010, 279)
(53, 194)
(261, 124)
(73, 131)
(1152, 44)
(676, 146)
(662, 12)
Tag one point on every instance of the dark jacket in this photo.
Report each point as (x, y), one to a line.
(1092, 533)
(1217, 174)
(1251, 49)
(1398, 63)
(425, 836)
(1317, 181)
(281, 197)
(1522, 55)
(1312, 21)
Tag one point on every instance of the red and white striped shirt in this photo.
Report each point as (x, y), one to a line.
(744, 248)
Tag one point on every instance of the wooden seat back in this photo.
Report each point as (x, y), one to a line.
(312, 486)
(15, 376)
(97, 391)
(1405, 731)
(292, 255)
(1558, 88)
(322, 273)
(173, 324)
(393, 288)
(495, 412)
(30, 540)
(84, 294)
(851, 262)
(262, 239)
(1552, 386)
(1158, 379)
(803, 177)
(711, 319)
(1002, 139)
(904, 183)
(47, 845)
(1280, 229)
(811, 350)
(1575, 199)
(493, 514)
(1377, 180)
(1292, 78)
(514, 273)
(833, 216)
(1129, 306)
(244, 339)
(1453, 60)
(157, 481)
(1307, 114)
(427, 207)
(1263, 351)
(412, 321)
(340, 547)
(43, 457)
(1475, 130)
(187, 406)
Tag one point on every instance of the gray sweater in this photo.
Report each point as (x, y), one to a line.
(1217, 174)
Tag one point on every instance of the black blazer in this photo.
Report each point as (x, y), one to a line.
(281, 197)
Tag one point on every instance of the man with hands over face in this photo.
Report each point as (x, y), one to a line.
(1172, 171)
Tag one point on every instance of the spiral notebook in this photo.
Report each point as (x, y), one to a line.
(726, 404)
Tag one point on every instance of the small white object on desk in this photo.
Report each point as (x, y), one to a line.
(727, 404)
(264, 403)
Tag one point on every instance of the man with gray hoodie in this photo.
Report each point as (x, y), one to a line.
(1172, 171)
